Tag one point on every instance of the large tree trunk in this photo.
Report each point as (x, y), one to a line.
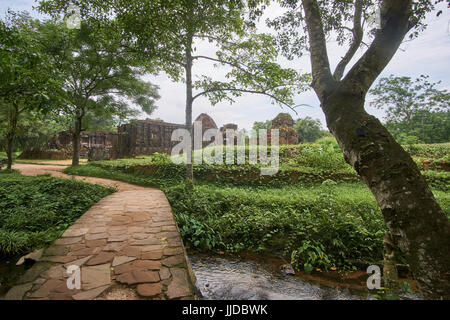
(76, 141)
(9, 149)
(410, 210)
(13, 119)
(189, 166)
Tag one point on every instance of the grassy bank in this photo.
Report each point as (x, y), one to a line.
(299, 164)
(34, 211)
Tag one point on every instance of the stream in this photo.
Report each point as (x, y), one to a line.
(236, 279)
(248, 278)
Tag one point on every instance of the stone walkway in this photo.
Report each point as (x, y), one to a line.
(127, 247)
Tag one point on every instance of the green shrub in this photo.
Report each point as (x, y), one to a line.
(310, 255)
(405, 139)
(328, 141)
(198, 234)
(439, 180)
(437, 150)
(12, 242)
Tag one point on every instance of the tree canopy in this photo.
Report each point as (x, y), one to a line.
(169, 33)
(29, 78)
(308, 129)
(414, 108)
(101, 78)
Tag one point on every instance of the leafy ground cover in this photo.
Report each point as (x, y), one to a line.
(34, 211)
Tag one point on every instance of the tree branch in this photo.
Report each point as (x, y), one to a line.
(217, 39)
(238, 65)
(322, 77)
(395, 17)
(247, 91)
(152, 55)
(356, 41)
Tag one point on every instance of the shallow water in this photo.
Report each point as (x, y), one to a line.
(9, 274)
(227, 278)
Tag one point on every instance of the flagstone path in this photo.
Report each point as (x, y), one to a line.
(127, 247)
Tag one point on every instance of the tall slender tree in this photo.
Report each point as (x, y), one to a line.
(415, 221)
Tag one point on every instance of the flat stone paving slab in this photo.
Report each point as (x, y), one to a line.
(127, 246)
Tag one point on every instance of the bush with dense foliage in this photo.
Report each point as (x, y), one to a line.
(309, 129)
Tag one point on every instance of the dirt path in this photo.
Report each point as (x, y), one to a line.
(57, 171)
(48, 162)
(127, 247)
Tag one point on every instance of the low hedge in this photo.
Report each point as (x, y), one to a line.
(250, 175)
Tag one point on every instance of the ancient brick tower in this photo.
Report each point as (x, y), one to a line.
(144, 137)
(207, 122)
(285, 124)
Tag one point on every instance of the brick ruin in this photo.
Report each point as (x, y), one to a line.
(141, 137)
(287, 133)
(145, 137)
(88, 141)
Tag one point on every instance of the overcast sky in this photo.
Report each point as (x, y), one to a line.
(429, 54)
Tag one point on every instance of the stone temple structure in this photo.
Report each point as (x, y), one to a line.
(141, 137)
(144, 137)
(232, 139)
(88, 141)
(207, 122)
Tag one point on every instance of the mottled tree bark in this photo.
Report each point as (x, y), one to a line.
(410, 210)
(390, 273)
